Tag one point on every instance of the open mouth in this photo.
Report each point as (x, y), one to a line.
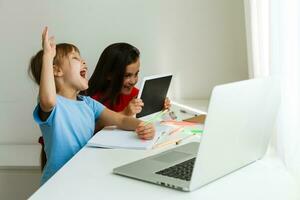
(83, 73)
(128, 87)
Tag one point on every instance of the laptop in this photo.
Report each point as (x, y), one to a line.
(153, 92)
(238, 127)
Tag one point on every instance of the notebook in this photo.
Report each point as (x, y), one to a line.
(111, 137)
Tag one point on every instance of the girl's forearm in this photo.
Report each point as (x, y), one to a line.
(47, 91)
(129, 123)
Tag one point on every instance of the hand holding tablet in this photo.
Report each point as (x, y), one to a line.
(153, 93)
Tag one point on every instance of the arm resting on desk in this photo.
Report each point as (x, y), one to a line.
(110, 118)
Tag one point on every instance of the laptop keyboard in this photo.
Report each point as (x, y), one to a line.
(181, 171)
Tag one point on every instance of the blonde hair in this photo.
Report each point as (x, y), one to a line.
(36, 61)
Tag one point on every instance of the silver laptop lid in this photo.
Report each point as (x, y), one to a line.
(237, 130)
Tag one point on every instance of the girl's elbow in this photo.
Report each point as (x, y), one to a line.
(47, 104)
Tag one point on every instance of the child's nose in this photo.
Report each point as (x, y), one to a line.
(132, 80)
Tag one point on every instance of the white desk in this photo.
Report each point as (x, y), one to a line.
(198, 104)
(88, 175)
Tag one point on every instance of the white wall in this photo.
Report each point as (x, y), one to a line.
(202, 42)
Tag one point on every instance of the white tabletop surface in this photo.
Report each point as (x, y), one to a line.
(88, 175)
(199, 104)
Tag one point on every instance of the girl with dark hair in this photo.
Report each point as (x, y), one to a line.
(114, 79)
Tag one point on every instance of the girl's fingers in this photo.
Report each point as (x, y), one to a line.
(140, 103)
(44, 36)
(52, 41)
(167, 103)
(137, 101)
(138, 110)
(142, 126)
(44, 32)
(146, 136)
(46, 41)
(139, 129)
(135, 108)
(147, 129)
(143, 130)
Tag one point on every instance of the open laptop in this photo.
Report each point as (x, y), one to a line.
(237, 130)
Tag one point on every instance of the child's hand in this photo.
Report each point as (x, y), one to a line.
(167, 104)
(48, 44)
(134, 107)
(145, 132)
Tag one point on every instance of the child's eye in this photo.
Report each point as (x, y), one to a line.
(76, 58)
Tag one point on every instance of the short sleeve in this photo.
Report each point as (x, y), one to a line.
(95, 106)
(39, 121)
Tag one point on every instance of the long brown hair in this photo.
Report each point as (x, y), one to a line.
(108, 75)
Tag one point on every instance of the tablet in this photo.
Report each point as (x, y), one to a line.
(153, 92)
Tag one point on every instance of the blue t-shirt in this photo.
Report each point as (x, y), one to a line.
(67, 129)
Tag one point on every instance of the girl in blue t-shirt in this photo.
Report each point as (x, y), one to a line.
(68, 120)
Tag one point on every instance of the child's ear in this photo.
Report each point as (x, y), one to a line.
(57, 71)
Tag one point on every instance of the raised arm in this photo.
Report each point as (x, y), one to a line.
(109, 118)
(47, 91)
